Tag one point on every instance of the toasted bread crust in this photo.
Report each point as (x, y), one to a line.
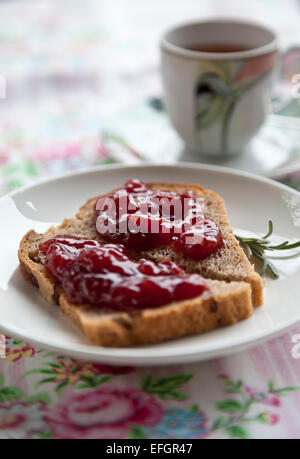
(225, 303)
(173, 321)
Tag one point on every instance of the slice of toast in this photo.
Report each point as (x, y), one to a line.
(225, 304)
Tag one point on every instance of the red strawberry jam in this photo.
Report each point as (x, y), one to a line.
(144, 219)
(105, 276)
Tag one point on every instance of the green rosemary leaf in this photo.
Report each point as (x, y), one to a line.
(278, 247)
(273, 270)
(257, 253)
(258, 247)
(248, 250)
(265, 267)
(248, 240)
(271, 230)
(285, 246)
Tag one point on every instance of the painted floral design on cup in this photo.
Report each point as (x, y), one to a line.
(219, 90)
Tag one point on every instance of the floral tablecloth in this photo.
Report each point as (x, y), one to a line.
(80, 76)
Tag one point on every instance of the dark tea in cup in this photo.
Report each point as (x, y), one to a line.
(217, 48)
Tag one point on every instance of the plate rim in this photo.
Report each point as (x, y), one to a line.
(185, 165)
(144, 361)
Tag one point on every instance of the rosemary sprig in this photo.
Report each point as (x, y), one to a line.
(258, 247)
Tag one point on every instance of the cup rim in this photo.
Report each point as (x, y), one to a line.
(270, 47)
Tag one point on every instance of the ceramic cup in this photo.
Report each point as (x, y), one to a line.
(217, 101)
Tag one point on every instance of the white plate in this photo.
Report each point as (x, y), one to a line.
(251, 201)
